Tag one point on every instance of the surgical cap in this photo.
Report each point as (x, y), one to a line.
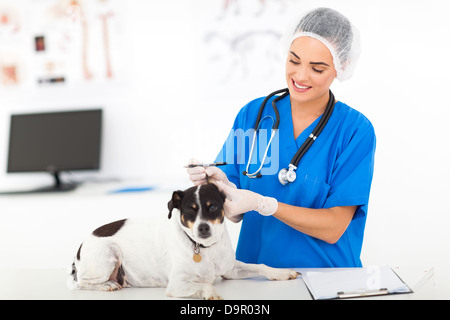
(336, 32)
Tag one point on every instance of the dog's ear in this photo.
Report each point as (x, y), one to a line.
(222, 195)
(175, 202)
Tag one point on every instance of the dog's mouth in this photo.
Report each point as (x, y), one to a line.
(206, 242)
(203, 235)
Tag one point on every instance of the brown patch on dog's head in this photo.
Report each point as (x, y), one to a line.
(219, 219)
(186, 223)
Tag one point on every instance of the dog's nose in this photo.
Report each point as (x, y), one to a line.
(204, 230)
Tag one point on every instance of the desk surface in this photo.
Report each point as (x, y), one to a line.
(51, 284)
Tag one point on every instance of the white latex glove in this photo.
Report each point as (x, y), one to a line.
(240, 201)
(198, 174)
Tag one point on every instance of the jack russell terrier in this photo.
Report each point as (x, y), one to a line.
(185, 253)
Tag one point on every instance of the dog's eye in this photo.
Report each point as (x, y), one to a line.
(189, 215)
(212, 208)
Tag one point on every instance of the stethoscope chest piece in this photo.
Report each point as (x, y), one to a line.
(286, 176)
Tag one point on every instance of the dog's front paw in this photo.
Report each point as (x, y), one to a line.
(282, 274)
(214, 297)
(105, 286)
(111, 286)
(209, 293)
(204, 291)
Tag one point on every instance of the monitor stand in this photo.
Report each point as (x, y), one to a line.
(59, 186)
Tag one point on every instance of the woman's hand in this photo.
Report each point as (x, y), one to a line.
(201, 175)
(240, 201)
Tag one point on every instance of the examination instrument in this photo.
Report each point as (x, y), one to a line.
(214, 164)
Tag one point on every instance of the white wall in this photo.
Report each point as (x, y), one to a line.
(161, 116)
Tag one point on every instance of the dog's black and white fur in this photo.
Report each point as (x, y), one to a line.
(160, 252)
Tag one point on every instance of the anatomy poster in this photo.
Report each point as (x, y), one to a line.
(240, 45)
(61, 42)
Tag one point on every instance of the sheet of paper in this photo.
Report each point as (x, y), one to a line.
(326, 285)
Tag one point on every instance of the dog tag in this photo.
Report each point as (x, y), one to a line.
(197, 257)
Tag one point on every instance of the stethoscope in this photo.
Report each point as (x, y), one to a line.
(287, 175)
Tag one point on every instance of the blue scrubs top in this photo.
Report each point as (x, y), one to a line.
(336, 171)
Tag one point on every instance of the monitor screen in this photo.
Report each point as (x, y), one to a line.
(56, 141)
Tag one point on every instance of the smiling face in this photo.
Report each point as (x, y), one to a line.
(309, 70)
(201, 212)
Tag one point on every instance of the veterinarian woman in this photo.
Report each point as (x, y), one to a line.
(318, 220)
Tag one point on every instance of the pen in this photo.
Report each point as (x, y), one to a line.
(215, 164)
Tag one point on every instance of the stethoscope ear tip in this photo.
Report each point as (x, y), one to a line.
(245, 173)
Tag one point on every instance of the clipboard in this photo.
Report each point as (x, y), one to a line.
(354, 283)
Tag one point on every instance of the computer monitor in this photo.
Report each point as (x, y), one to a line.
(54, 142)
